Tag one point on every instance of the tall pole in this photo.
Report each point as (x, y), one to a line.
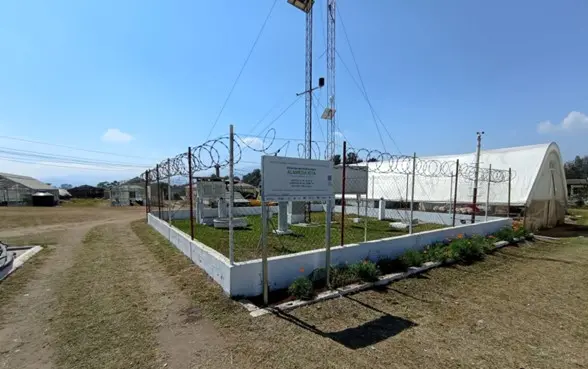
(406, 196)
(343, 179)
(412, 193)
(231, 194)
(191, 193)
(264, 266)
(488, 192)
(169, 171)
(331, 57)
(509, 186)
(146, 191)
(476, 173)
(308, 100)
(450, 192)
(455, 192)
(328, 242)
(158, 191)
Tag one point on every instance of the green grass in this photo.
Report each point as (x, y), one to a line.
(580, 212)
(247, 241)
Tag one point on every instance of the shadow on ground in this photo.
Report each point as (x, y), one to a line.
(364, 335)
(565, 230)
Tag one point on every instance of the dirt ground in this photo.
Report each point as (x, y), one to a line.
(109, 292)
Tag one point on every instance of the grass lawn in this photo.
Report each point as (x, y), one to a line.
(247, 241)
(522, 307)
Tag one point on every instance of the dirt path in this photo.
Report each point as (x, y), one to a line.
(100, 300)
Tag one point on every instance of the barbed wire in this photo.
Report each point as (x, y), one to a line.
(215, 153)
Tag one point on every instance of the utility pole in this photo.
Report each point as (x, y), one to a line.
(476, 173)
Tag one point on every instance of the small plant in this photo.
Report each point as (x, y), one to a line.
(438, 252)
(467, 250)
(366, 271)
(505, 234)
(387, 265)
(412, 258)
(302, 288)
(343, 275)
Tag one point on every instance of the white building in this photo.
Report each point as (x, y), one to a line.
(538, 184)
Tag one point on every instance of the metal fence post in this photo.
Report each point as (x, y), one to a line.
(191, 194)
(264, 266)
(488, 192)
(147, 193)
(412, 193)
(231, 195)
(169, 212)
(328, 242)
(455, 194)
(450, 192)
(158, 191)
(509, 186)
(344, 160)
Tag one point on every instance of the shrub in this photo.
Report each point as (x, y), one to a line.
(467, 250)
(366, 271)
(505, 234)
(301, 288)
(438, 252)
(387, 265)
(412, 258)
(343, 275)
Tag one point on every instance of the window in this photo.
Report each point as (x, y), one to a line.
(132, 194)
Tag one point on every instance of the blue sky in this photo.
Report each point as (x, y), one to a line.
(146, 79)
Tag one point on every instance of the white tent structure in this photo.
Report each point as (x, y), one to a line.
(538, 182)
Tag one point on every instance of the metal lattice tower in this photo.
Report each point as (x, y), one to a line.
(308, 88)
(331, 55)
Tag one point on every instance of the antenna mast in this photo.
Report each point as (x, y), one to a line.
(331, 55)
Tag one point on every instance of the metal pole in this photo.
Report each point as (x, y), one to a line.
(450, 192)
(158, 191)
(231, 195)
(328, 243)
(264, 266)
(365, 219)
(476, 172)
(191, 193)
(343, 193)
(406, 196)
(146, 189)
(455, 193)
(509, 186)
(488, 192)
(412, 193)
(169, 213)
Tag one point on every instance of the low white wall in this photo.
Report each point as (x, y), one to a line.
(246, 276)
(214, 263)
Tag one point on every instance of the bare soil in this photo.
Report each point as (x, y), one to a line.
(98, 299)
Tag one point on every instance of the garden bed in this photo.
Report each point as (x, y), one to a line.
(346, 279)
(247, 240)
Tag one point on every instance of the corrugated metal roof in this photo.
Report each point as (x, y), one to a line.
(28, 182)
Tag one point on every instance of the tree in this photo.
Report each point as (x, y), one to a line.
(577, 168)
(104, 184)
(352, 158)
(65, 186)
(253, 178)
(336, 159)
(372, 160)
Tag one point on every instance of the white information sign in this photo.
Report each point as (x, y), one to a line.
(356, 180)
(293, 179)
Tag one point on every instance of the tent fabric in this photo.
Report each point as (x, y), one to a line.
(537, 171)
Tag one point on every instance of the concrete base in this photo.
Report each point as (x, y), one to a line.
(296, 212)
(307, 225)
(278, 232)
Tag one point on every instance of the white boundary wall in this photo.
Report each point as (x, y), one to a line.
(244, 278)
(215, 264)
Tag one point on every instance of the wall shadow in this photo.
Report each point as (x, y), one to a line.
(565, 230)
(364, 335)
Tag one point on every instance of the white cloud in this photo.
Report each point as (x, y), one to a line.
(116, 135)
(253, 142)
(572, 122)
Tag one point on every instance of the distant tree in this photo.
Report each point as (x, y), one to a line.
(253, 178)
(65, 186)
(372, 160)
(336, 159)
(104, 184)
(352, 158)
(577, 168)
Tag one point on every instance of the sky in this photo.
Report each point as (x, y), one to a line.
(102, 90)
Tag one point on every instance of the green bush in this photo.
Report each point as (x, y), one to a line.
(438, 252)
(302, 289)
(387, 265)
(412, 258)
(366, 271)
(343, 275)
(521, 232)
(466, 250)
(505, 234)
